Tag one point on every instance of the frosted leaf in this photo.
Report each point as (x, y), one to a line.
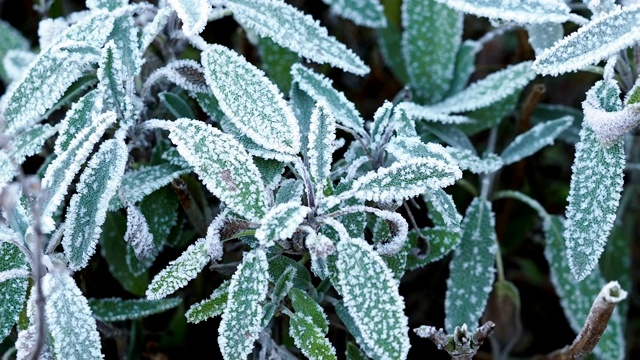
(187, 74)
(465, 65)
(106, 4)
(30, 142)
(10, 168)
(136, 184)
(442, 241)
(151, 30)
(304, 304)
(284, 284)
(353, 353)
(524, 198)
(430, 41)
(472, 268)
(50, 30)
(594, 194)
(222, 163)
(320, 88)
(180, 271)
(370, 295)
(608, 125)
(576, 297)
(88, 207)
(139, 236)
(319, 247)
(276, 61)
(72, 328)
(309, 338)
(115, 309)
(598, 40)
(442, 210)
(427, 113)
(55, 69)
(404, 179)
(322, 134)
(125, 36)
(160, 208)
(280, 264)
(292, 29)
(193, 13)
(250, 100)
(536, 138)
(112, 77)
(369, 13)
(467, 160)
(211, 307)
(380, 127)
(242, 317)
(281, 222)
(214, 236)
(13, 291)
(16, 62)
(10, 38)
(176, 105)
(271, 171)
(519, 11)
(489, 90)
(396, 234)
(290, 191)
(396, 261)
(544, 35)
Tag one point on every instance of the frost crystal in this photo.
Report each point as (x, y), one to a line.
(12, 291)
(193, 13)
(152, 30)
(281, 222)
(608, 126)
(214, 238)
(519, 11)
(535, 139)
(50, 30)
(250, 100)
(292, 29)
(115, 309)
(211, 307)
(322, 134)
(139, 183)
(10, 39)
(362, 12)
(16, 63)
(420, 112)
(543, 36)
(467, 160)
(310, 339)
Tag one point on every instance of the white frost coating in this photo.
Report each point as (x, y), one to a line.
(596, 41)
(116, 309)
(242, 318)
(397, 224)
(608, 126)
(535, 139)
(380, 125)
(281, 222)
(30, 142)
(213, 237)
(187, 74)
(251, 101)
(322, 134)
(467, 160)
(50, 30)
(489, 90)
(193, 13)
(428, 113)
(608, 291)
(310, 338)
(370, 294)
(179, 271)
(139, 236)
(137, 184)
(208, 308)
(72, 328)
(368, 13)
(543, 36)
(222, 163)
(519, 11)
(319, 246)
(406, 148)
(88, 207)
(16, 62)
(292, 29)
(442, 203)
(403, 180)
(152, 30)
(320, 88)
(106, 4)
(63, 168)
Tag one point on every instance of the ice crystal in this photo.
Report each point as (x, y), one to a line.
(49, 30)
(30, 142)
(137, 184)
(535, 139)
(310, 339)
(608, 126)
(281, 222)
(10, 39)
(151, 30)
(116, 309)
(16, 63)
(368, 13)
(543, 36)
(519, 11)
(420, 112)
(193, 13)
(12, 291)
(187, 74)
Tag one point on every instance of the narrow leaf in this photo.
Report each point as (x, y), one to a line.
(139, 183)
(78, 118)
(427, 113)
(290, 28)
(535, 139)
(87, 210)
(442, 241)
(545, 35)
(281, 222)
(30, 142)
(193, 13)
(277, 62)
(176, 105)
(310, 339)
(283, 285)
(365, 13)
(322, 134)
(304, 305)
(290, 191)
(211, 307)
(519, 11)
(139, 236)
(467, 160)
(472, 268)
(442, 210)
(115, 309)
(10, 39)
(13, 291)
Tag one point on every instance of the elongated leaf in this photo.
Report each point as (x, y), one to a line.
(112, 76)
(63, 168)
(407, 148)
(465, 65)
(78, 118)
(72, 328)
(366, 13)
(242, 318)
(154, 28)
(290, 191)
(211, 307)
(176, 105)
(30, 142)
(390, 41)
(223, 165)
(380, 126)
(280, 264)
(13, 291)
(370, 294)
(250, 100)
(519, 11)
(10, 39)
(193, 13)
(55, 69)
(310, 339)
(322, 134)
(467, 160)
(427, 113)
(277, 62)
(320, 88)
(442, 210)
(442, 241)
(139, 236)
(290, 28)
(303, 304)
(139, 183)
(16, 62)
(271, 171)
(115, 309)
(160, 209)
(543, 36)
(535, 139)
(87, 211)
(576, 297)
(430, 42)
(596, 41)
(472, 268)
(489, 90)
(281, 222)
(353, 353)
(283, 285)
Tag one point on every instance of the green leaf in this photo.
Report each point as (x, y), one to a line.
(292, 29)
(74, 92)
(78, 118)
(430, 42)
(320, 89)
(88, 208)
(442, 241)
(106, 4)
(222, 163)
(242, 317)
(390, 41)
(113, 78)
(428, 113)
(160, 208)
(491, 115)
(442, 210)
(472, 268)
(281, 222)
(381, 126)
(137, 184)
(115, 309)
(283, 285)
(73, 330)
(367, 13)
(535, 139)
(543, 36)
(211, 307)
(10, 39)
(521, 11)
(370, 294)
(280, 264)
(465, 65)
(322, 134)
(180, 271)
(193, 13)
(451, 135)
(576, 297)
(250, 100)
(30, 142)
(13, 291)
(277, 62)
(140, 239)
(176, 105)
(467, 160)
(304, 305)
(271, 171)
(290, 191)
(310, 339)
(354, 353)
(54, 70)
(396, 261)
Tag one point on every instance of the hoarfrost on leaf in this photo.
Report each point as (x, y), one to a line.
(310, 339)
(16, 63)
(322, 134)
(544, 35)
(193, 13)
(281, 222)
(608, 124)
(428, 113)
(12, 291)
(10, 39)
(188, 74)
(116, 309)
(467, 160)
(211, 307)
(292, 29)
(535, 139)
(519, 11)
(137, 184)
(139, 236)
(368, 13)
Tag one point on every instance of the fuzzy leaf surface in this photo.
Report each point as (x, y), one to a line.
(367, 13)
(310, 339)
(322, 134)
(193, 13)
(277, 62)
(139, 183)
(467, 160)
(139, 236)
(13, 291)
(536, 138)
(116, 309)
(30, 142)
(211, 307)
(10, 39)
(519, 11)
(281, 222)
